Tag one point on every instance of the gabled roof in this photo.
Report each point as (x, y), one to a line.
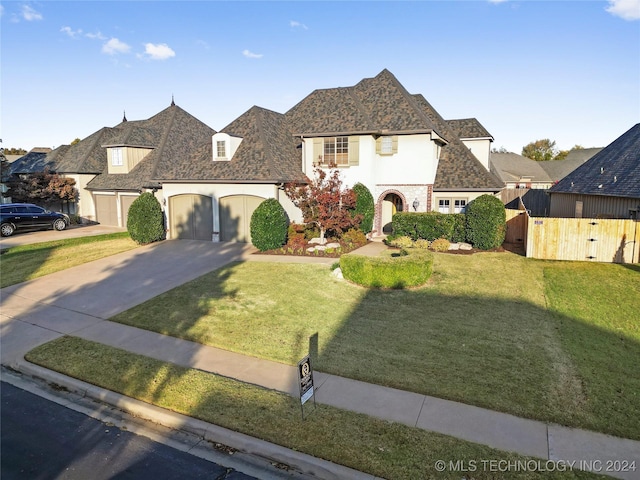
(268, 153)
(375, 105)
(171, 135)
(511, 167)
(458, 168)
(469, 128)
(558, 169)
(614, 171)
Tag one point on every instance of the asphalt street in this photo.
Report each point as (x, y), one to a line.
(41, 439)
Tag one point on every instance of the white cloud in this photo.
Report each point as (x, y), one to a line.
(95, 36)
(115, 46)
(29, 14)
(161, 51)
(70, 32)
(626, 9)
(497, 1)
(249, 54)
(295, 24)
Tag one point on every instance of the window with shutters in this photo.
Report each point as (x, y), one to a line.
(336, 151)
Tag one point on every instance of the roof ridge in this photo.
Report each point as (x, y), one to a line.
(163, 141)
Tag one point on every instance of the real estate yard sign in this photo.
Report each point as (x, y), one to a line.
(305, 378)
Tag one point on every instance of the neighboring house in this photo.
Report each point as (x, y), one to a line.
(558, 169)
(210, 182)
(517, 171)
(605, 186)
(36, 160)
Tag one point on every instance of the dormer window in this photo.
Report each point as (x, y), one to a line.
(221, 149)
(116, 157)
(224, 146)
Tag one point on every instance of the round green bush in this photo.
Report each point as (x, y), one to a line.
(364, 206)
(486, 222)
(269, 224)
(145, 220)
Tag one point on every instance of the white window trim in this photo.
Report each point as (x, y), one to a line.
(117, 157)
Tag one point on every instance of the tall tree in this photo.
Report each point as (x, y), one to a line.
(324, 202)
(540, 150)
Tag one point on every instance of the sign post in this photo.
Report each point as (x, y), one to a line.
(305, 379)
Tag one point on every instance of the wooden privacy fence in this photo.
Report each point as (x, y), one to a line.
(586, 239)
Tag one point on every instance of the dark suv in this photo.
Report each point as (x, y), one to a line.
(26, 216)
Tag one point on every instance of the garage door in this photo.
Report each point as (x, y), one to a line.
(191, 217)
(106, 210)
(235, 217)
(125, 203)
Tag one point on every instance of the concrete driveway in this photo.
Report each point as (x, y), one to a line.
(73, 231)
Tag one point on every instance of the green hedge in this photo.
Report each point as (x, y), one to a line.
(269, 224)
(145, 220)
(412, 268)
(486, 222)
(364, 206)
(430, 226)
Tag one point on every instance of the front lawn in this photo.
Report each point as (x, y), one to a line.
(490, 329)
(381, 448)
(27, 262)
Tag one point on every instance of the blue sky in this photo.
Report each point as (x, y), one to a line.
(568, 71)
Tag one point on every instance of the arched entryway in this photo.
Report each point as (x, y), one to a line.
(389, 203)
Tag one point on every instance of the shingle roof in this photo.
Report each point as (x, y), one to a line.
(614, 171)
(34, 161)
(458, 168)
(469, 128)
(173, 134)
(511, 167)
(86, 156)
(558, 169)
(374, 105)
(268, 153)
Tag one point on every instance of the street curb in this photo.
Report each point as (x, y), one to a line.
(301, 462)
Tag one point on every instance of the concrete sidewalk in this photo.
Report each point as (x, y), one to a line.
(79, 301)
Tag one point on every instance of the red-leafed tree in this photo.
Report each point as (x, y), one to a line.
(324, 202)
(43, 187)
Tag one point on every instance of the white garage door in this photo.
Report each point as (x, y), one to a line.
(106, 210)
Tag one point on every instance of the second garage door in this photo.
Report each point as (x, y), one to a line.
(106, 209)
(191, 217)
(235, 217)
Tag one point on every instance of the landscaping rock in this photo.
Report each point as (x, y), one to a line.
(465, 246)
(337, 273)
(454, 246)
(317, 240)
(321, 247)
(333, 245)
(311, 249)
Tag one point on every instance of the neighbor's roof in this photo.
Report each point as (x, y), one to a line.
(558, 169)
(34, 161)
(614, 171)
(268, 153)
(511, 167)
(468, 128)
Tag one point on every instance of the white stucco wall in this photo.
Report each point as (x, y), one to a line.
(481, 149)
(85, 207)
(414, 163)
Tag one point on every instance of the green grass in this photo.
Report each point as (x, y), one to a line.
(480, 332)
(27, 262)
(384, 449)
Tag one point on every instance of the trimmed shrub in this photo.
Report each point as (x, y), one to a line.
(422, 244)
(404, 224)
(145, 220)
(354, 238)
(440, 245)
(401, 242)
(401, 271)
(459, 234)
(486, 222)
(365, 206)
(269, 224)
